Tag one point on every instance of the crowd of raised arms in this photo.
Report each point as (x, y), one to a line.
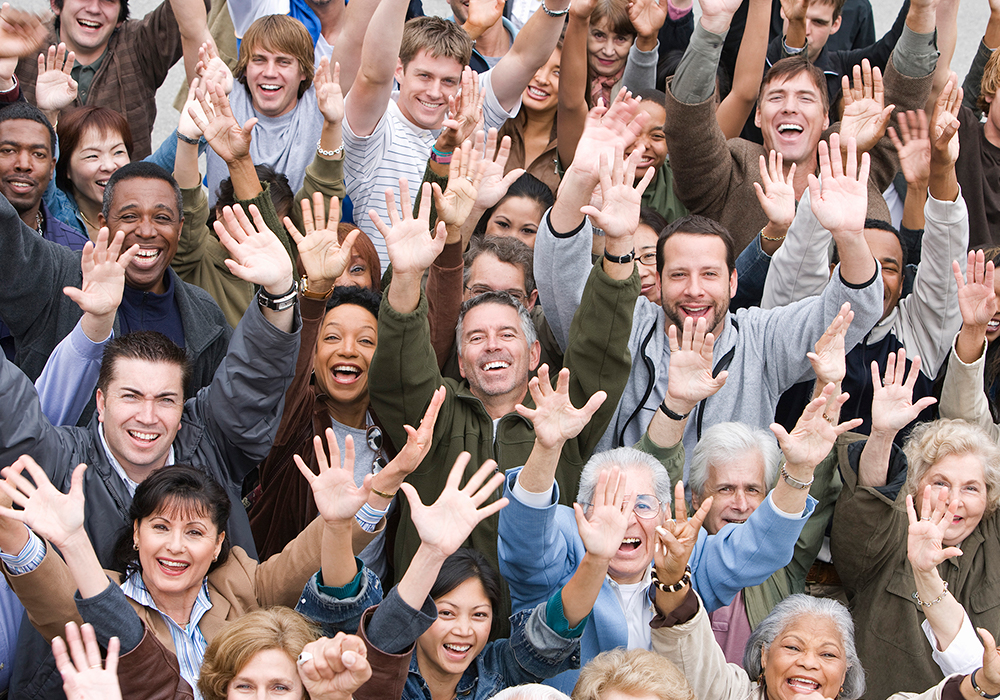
(604, 350)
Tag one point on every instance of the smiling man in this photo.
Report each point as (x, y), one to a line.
(142, 200)
(120, 63)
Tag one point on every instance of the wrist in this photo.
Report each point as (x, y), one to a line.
(74, 542)
(281, 287)
(646, 43)
(716, 24)
(96, 327)
(679, 406)
(340, 527)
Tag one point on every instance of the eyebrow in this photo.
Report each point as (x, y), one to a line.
(133, 390)
(21, 144)
(159, 206)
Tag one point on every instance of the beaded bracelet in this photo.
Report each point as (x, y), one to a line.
(916, 597)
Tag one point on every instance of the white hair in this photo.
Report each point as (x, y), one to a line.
(726, 442)
(530, 691)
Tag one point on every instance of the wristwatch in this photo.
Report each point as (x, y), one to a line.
(279, 302)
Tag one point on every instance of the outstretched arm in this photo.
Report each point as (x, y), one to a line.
(369, 94)
(529, 52)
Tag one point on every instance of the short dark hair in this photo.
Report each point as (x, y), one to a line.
(838, 6)
(74, 123)
(122, 11)
(150, 346)
(179, 486)
(460, 567)
(29, 112)
(652, 95)
(881, 225)
(506, 249)
(142, 170)
(278, 188)
(699, 226)
(791, 67)
(367, 299)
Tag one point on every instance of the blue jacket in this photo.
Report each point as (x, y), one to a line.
(540, 548)
(533, 652)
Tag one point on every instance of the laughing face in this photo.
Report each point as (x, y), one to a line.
(494, 356)
(273, 80)
(460, 632)
(96, 159)
(792, 118)
(86, 26)
(737, 489)
(344, 352)
(634, 556)
(141, 413)
(807, 657)
(176, 548)
(993, 327)
(652, 139)
(425, 86)
(542, 93)
(961, 475)
(695, 281)
(146, 210)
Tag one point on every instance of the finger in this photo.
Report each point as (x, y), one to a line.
(480, 479)
(680, 507)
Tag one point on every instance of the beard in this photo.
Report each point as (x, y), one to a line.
(674, 315)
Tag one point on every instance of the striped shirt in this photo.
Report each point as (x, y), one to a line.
(29, 558)
(397, 148)
(189, 642)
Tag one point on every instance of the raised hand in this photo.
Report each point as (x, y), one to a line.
(446, 524)
(493, 184)
(716, 15)
(103, 266)
(689, 377)
(607, 131)
(411, 244)
(777, 196)
(944, 123)
(223, 133)
(464, 175)
(51, 514)
(418, 441)
(892, 404)
(977, 299)
(332, 669)
(813, 436)
(647, 16)
(603, 526)
(924, 537)
(829, 360)
(621, 195)
(913, 146)
(329, 95)
(211, 67)
(336, 496)
(324, 258)
(989, 678)
(675, 539)
(83, 677)
(55, 88)
(21, 32)
(191, 113)
(554, 418)
(465, 112)
(865, 112)
(483, 14)
(839, 198)
(257, 255)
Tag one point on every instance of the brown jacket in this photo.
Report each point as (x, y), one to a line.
(714, 177)
(140, 52)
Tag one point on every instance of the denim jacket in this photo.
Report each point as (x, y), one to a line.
(535, 651)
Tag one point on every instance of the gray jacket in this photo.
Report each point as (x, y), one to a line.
(764, 351)
(226, 429)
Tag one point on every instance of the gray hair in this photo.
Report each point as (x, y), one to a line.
(506, 249)
(628, 459)
(931, 442)
(530, 691)
(784, 614)
(726, 442)
(503, 299)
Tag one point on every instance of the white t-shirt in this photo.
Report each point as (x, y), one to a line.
(397, 148)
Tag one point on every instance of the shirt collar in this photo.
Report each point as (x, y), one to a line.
(135, 588)
(119, 470)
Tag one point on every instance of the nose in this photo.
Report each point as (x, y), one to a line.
(176, 541)
(23, 161)
(348, 348)
(147, 414)
(694, 287)
(740, 500)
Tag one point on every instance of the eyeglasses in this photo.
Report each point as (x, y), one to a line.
(373, 436)
(646, 506)
(477, 289)
(648, 259)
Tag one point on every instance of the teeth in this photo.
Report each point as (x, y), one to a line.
(86, 23)
(429, 105)
(458, 648)
(147, 253)
(782, 128)
(496, 365)
(804, 681)
(270, 87)
(347, 368)
(143, 436)
(172, 564)
(993, 324)
(102, 183)
(535, 92)
(631, 540)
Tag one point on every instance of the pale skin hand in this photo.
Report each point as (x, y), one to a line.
(211, 67)
(892, 403)
(865, 112)
(689, 378)
(464, 175)
(676, 538)
(840, 201)
(49, 513)
(828, 359)
(493, 184)
(924, 537)
(603, 531)
(338, 667)
(977, 302)
(186, 123)
(606, 132)
(337, 498)
(944, 132)
(989, 678)
(554, 418)
(716, 15)
(329, 96)
(647, 17)
(483, 14)
(465, 113)
(913, 145)
(813, 436)
(81, 668)
(323, 257)
(418, 444)
(103, 268)
(412, 246)
(446, 524)
(55, 88)
(777, 199)
(621, 196)
(257, 255)
(21, 32)
(223, 133)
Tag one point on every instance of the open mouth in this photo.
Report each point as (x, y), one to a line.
(457, 651)
(696, 312)
(172, 567)
(345, 373)
(630, 544)
(87, 24)
(734, 520)
(537, 93)
(145, 258)
(22, 186)
(143, 438)
(495, 365)
(789, 129)
(993, 325)
(803, 685)
(269, 88)
(429, 105)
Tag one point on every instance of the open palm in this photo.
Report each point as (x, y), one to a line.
(45, 509)
(337, 498)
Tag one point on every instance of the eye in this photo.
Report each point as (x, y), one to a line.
(973, 488)
(367, 341)
(167, 401)
(476, 338)
(159, 527)
(726, 489)
(481, 615)
(195, 533)
(358, 269)
(447, 614)
(332, 338)
(529, 230)
(508, 336)
(791, 647)
(501, 224)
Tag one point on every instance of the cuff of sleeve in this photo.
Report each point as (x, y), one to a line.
(788, 516)
(681, 614)
(342, 592)
(12, 93)
(863, 284)
(915, 54)
(952, 689)
(975, 363)
(28, 559)
(555, 618)
(791, 51)
(568, 234)
(530, 498)
(944, 210)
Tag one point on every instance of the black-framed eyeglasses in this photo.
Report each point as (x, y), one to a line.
(646, 506)
(647, 259)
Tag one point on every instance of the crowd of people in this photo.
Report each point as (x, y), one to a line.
(603, 350)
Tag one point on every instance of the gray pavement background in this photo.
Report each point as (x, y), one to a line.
(972, 18)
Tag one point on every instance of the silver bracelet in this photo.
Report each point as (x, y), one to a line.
(937, 600)
(793, 482)
(555, 13)
(329, 154)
